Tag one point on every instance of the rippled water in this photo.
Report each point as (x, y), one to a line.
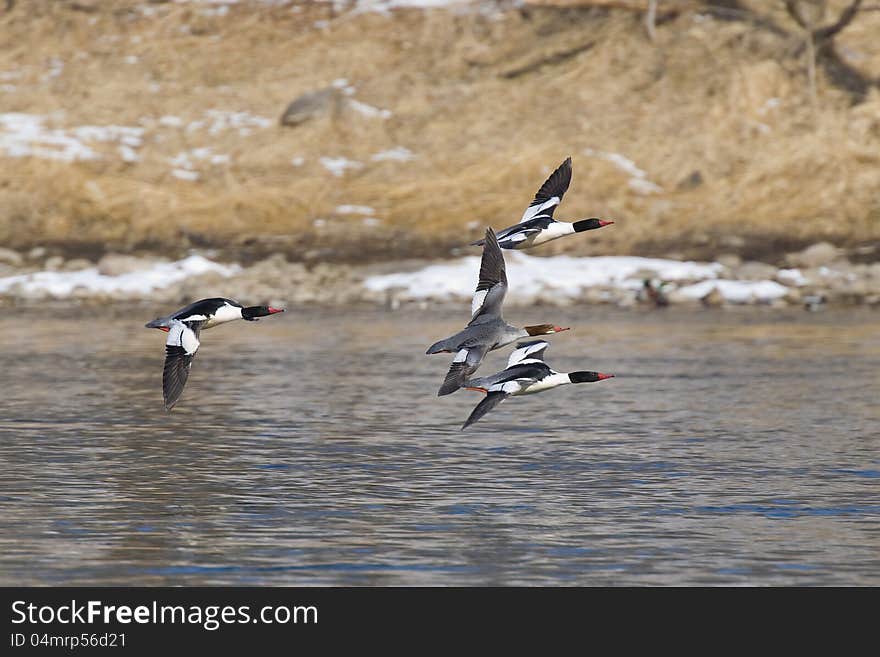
(732, 448)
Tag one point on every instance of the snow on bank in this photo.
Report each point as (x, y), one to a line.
(736, 291)
(25, 135)
(566, 278)
(339, 165)
(638, 180)
(396, 154)
(383, 6)
(91, 282)
(531, 275)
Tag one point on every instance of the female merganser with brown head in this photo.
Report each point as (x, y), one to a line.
(537, 224)
(526, 373)
(487, 329)
(183, 328)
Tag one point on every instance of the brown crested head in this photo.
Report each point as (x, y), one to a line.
(544, 329)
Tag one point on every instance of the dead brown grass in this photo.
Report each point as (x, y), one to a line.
(487, 104)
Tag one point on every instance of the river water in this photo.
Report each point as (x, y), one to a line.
(732, 448)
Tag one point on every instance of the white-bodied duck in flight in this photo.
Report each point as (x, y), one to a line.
(526, 373)
(537, 224)
(487, 329)
(183, 328)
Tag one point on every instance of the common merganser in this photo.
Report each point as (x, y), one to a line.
(487, 329)
(183, 328)
(211, 312)
(526, 373)
(537, 224)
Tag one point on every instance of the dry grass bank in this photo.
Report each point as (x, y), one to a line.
(716, 113)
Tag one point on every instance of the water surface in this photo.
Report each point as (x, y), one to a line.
(732, 448)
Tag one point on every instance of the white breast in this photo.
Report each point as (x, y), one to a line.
(552, 381)
(225, 313)
(554, 231)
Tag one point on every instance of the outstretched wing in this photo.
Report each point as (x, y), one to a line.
(496, 394)
(492, 285)
(180, 349)
(491, 401)
(533, 350)
(551, 193)
(465, 363)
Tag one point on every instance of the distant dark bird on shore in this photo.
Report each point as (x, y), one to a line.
(654, 294)
(537, 224)
(487, 329)
(183, 328)
(814, 302)
(526, 373)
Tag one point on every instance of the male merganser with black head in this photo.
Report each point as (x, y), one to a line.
(537, 224)
(183, 328)
(211, 312)
(526, 373)
(487, 329)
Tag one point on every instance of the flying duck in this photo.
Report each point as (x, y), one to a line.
(211, 312)
(487, 329)
(537, 224)
(183, 328)
(526, 373)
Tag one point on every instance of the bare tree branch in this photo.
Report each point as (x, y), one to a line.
(825, 33)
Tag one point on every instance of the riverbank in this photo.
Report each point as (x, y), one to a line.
(331, 133)
(818, 276)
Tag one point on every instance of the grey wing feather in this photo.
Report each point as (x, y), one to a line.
(460, 370)
(491, 401)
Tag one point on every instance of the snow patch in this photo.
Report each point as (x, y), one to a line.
(339, 165)
(184, 166)
(397, 154)
(384, 6)
(343, 85)
(792, 277)
(368, 110)
(355, 209)
(638, 181)
(736, 291)
(25, 135)
(136, 283)
(185, 174)
(532, 276)
(170, 121)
